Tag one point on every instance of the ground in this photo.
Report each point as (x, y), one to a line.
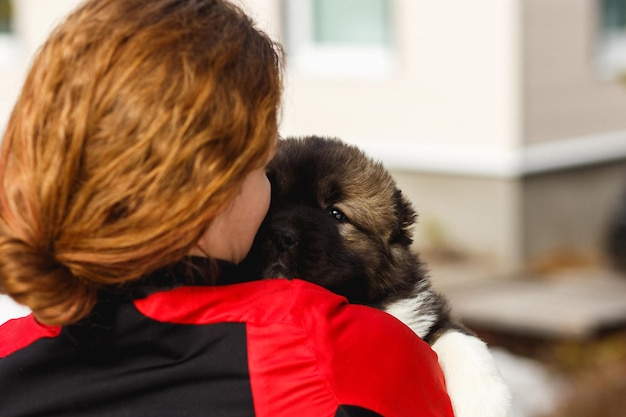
(559, 338)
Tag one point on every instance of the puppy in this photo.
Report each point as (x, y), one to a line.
(338, 219)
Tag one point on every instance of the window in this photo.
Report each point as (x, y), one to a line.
(351, 22)
(613, 38)
(339, 37)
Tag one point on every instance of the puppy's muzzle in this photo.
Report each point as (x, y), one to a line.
(284, 239)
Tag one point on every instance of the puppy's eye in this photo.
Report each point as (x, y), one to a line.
(337, 215)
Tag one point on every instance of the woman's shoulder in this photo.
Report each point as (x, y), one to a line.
(264, 301)
(294, 302)
(20, 332)
(305, 342)
(373, 360)
(303, 305)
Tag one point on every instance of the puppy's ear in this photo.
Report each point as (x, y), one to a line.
(406, 216)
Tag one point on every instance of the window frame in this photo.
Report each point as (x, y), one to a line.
(309, 58)
(611, 53)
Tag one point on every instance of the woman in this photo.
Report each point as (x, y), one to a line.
(132, 182)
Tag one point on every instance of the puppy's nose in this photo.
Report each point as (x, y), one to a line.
(284, 238)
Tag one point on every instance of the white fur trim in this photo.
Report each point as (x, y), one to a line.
(473, 380)
(414, 313)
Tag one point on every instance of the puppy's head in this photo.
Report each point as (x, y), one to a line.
(336, 219)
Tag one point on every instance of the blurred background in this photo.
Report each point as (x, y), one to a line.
(504, 122)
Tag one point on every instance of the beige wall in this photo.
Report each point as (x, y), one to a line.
(478, 78)
(477, 218)
(456, 83)
(455, 90)
(565, 96)
(570, 211)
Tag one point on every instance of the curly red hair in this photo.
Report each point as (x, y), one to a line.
(136, 125)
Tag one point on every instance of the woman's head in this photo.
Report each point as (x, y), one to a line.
(136, 126)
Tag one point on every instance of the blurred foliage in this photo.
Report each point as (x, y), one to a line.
(594, 369)
(597, 371)
(584, 357)
(599, 391)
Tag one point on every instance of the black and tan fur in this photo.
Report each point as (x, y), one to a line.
(338, 219)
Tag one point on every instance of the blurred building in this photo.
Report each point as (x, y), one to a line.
(503, 120)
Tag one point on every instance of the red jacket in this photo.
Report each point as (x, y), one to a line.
(265, 348)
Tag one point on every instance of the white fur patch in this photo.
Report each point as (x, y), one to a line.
(473, 380)
(413, 313)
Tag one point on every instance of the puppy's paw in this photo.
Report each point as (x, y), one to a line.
(473, 381)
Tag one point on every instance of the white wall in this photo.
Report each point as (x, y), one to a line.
(456, 90)
(32, 22)
(10, 310)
